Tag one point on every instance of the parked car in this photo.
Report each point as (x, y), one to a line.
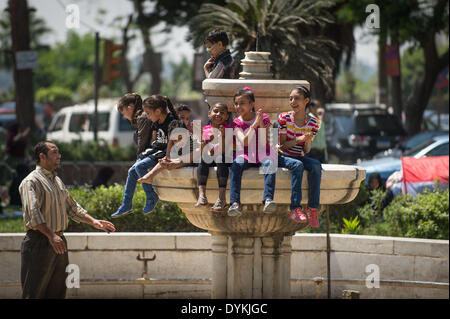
(8, 114)
(443, 120)
(359, 131)
(436, 146)
(409, 144)
(76, 123)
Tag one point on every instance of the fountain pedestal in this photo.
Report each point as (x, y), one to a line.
(251, 253)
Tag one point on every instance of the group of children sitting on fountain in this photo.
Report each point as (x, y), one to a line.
(167, 139)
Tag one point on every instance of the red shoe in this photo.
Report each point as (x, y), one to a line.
(298, 216)
(313, 217)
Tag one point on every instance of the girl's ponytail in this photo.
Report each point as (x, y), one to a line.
(171, 108)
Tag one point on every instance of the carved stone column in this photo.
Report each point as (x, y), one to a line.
(219, 249)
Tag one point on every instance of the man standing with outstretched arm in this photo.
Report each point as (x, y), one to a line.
(47, 204)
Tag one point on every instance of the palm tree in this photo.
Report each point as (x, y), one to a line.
(274, 26)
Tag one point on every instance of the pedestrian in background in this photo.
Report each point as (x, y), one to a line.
(319, 144)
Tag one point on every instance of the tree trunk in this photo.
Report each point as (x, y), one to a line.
(396, 90)
(152, 60)
(23, 79)
(382, 89)
(418, 100)
(125, 68)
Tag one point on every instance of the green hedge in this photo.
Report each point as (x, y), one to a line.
(102, 202)
(92, 151)
(426, 216)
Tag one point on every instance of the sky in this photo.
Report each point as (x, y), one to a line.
(173, 46)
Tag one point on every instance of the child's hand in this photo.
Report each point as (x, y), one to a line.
(309, 136)
(222, 130)
(304, 138)
(259, 119)
(208, 63)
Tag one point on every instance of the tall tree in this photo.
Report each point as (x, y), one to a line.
(417, 22)
(23, 78)
(434, 63)
(275, 26)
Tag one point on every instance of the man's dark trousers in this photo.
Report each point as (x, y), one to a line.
(43, 271)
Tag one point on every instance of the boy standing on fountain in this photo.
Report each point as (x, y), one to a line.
(221, 63)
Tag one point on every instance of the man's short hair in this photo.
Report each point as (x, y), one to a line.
(39, 148)
(217, 35)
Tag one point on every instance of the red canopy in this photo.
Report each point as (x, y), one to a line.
(426, 169)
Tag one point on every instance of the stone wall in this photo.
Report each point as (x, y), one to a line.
(182, 265)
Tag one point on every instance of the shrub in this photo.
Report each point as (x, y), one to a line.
(102, 202)
(92, 151)
(53, 94)
(351, 226)
(426, 216)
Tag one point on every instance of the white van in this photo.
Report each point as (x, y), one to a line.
(76, 123)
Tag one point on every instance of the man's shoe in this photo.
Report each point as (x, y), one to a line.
(234, 210)
(150, 204)
(122, 211)
(298, 216)
(313, 217)
(269, 206)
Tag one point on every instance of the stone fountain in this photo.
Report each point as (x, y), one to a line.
(251, 253)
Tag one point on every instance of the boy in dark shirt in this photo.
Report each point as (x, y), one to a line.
(221, 63)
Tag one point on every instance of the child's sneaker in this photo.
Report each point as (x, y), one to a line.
(269, 206)
(313, 217)
(122, 211)
(234, 210)
(298, 216)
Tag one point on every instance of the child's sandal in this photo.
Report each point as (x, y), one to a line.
(219, 205)
(202, 201)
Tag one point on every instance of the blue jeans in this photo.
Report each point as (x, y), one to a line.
(237, 168)
(138, 170)
(296, 166)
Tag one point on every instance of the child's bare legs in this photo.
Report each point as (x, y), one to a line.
(162, 165)
(148, 178)
(202, 200)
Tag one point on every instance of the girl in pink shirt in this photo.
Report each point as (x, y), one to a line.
(245, 128)
(213, 155)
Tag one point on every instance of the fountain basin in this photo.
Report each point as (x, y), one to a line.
(339, 185)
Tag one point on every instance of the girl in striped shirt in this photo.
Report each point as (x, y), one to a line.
(296, 132)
